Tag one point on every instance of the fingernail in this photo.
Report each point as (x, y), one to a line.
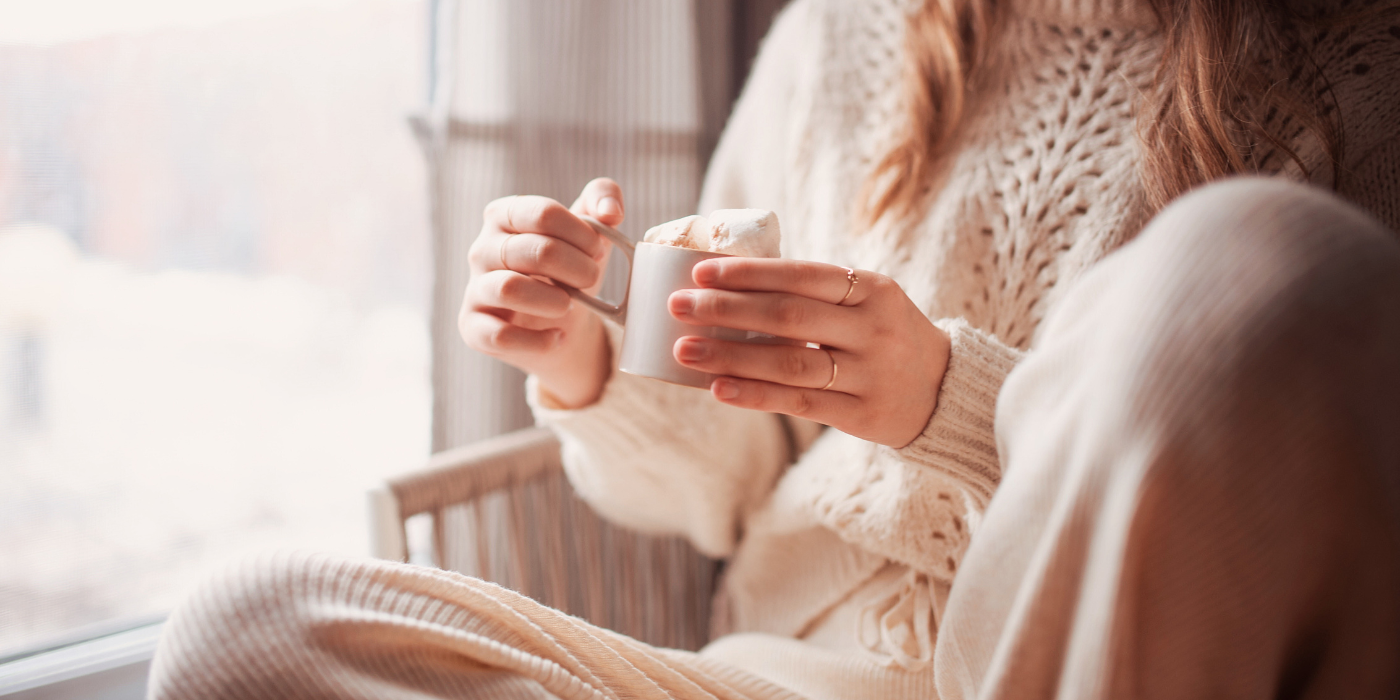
(705, 272)
(682, 302)
(692, 351)
(725, 389)
(609, 206)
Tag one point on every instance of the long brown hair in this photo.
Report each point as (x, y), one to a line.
(1234, 87)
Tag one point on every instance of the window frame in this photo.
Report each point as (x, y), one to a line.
(112, 666)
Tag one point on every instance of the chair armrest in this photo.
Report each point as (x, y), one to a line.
(387, 539)
(458, 476)
(503, 510)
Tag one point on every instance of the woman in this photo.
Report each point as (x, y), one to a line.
(1074, 453)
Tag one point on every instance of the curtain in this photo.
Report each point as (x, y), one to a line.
(539, 97)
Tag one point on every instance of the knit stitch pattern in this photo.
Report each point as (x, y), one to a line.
(1044, 183)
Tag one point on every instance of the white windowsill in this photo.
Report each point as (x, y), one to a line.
(113, 667)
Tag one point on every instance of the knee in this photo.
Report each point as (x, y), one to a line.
(1264, 233)
(239, 625)
(256, 592)
(1245, 259)
(1231, 254)
(1267, 300)
(1246, 295)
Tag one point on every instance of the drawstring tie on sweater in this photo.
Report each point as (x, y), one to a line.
(899, 625)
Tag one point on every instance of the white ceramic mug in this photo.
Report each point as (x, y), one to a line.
(651, 332)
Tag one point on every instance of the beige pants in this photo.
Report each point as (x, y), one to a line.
(1201, 498)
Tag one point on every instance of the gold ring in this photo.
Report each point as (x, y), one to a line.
(835, 369)
(853, 279)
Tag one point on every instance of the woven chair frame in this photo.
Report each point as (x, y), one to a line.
(502, 510)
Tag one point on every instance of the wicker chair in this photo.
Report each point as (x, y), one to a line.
(502, 510)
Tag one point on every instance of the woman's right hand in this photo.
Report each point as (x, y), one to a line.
(510, 311)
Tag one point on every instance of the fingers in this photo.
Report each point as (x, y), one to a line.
(534, 323)
(494, 336)
(828, 283)
(542, 215)
(785, 315)
(800, 367)
(512, 291)
(536, 254)
(506, 312)
(826, 407)
(601, 199)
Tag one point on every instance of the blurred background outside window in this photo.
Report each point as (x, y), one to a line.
(214, 291)
(229, 276)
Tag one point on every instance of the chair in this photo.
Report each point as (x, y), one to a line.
(503, 510)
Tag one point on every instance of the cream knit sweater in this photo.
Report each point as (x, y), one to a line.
(1044, 184)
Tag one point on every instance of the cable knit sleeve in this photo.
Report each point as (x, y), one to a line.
(667, 459)
(921, 503)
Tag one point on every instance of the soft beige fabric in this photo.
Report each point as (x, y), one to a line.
(1201, 499)
(1051, 523)
(310, 626)
(1202, 487)
(1044, 185)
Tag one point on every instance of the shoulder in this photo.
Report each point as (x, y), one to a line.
(848, 90)
(836, 36)
(858, 38)
(821, 88)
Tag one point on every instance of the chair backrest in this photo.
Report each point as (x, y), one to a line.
(503, 510)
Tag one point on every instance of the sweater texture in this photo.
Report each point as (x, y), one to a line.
(1043, 184)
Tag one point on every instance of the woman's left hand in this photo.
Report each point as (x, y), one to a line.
(888, 357)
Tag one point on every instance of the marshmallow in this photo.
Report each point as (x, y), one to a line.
(746, 232)
(680, 233)
(752, 233)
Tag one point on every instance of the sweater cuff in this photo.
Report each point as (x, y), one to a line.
(626, 401)
(665, 459)
(960, 438)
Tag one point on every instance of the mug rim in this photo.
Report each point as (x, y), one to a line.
(689, 250)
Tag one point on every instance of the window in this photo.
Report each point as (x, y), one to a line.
(213, 291)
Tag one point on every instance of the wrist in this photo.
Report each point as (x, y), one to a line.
(925, 392)
(585, 364)
(960, 437)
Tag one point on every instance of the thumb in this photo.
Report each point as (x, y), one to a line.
(601, 199)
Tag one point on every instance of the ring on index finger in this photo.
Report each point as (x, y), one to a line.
(853, 279)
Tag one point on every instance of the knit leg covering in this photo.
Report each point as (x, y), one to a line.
(1202, 469)
(306, 626)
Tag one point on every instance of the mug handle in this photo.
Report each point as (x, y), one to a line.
(616, 312)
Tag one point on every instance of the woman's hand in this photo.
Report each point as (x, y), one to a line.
(513, 312)
(891, 359)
